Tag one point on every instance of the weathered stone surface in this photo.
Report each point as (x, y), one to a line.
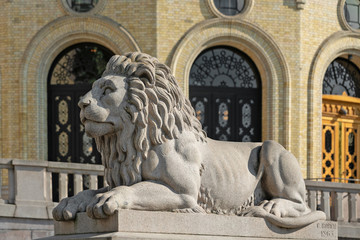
(349, 230)
(25, 228)
(12, 223)
(157, 157)
(36, 234)
(15, 235)
(131, 224)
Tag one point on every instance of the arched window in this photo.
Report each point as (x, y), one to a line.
(342, 77)
(341, 121)
(70, 77)
(225, 91)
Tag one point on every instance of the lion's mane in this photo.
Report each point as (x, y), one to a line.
(158, 112)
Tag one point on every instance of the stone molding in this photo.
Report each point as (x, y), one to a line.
(343, 42)
(38, 57)
(342, 20)
(212, 8)
(262, 49)
(300, 4)
(67, 10)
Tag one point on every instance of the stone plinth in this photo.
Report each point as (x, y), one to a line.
(129, 224)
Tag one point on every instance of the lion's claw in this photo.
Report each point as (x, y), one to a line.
(68, 207)
(103, 205)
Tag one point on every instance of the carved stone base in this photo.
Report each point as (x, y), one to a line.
(129, 224)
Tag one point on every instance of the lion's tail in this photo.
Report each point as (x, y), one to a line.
(295, 222)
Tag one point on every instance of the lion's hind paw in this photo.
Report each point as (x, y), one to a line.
(278, 207)
(196, 209)
(254, 211)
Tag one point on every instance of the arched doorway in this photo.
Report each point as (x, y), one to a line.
(341, 121)
(225, 91)
(70, 76)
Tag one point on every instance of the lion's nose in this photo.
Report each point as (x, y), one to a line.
(84, 101)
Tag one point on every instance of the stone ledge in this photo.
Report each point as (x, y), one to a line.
(167, 225)
(349, 230)
(7, 210)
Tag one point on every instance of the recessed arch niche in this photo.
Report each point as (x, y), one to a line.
(47, 44)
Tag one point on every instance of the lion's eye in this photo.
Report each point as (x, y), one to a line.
(107, 90)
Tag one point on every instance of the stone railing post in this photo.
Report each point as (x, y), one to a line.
(325, 203)
(78, 183)
(32, 190)
(63, 185)
(93, 181)
(338, 214)
(352, 207)
(312, 200)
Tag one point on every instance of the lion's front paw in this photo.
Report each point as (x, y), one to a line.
(68, 207)
(105, 204)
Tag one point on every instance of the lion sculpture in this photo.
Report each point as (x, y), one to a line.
(157, 157)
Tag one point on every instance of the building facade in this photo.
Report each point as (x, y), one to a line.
(286, 70)
(291, 43)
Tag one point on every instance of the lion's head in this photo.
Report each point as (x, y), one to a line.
(136, 104)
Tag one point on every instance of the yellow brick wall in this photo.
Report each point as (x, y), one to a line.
(20, 21)
(174, 19)
(319, 20)
(139, 18)
(281, 21)
(158, 28)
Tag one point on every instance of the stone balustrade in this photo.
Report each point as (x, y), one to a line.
(26, 191)
(81, 175)
(340, 202)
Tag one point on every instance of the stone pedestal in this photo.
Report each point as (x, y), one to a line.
(129, 224)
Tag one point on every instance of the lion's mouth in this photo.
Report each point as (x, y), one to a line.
(84, 120)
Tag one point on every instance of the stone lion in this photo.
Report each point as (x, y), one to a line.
(157, 157)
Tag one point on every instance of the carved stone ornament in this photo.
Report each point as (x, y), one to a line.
(300, 4)
(157, 157)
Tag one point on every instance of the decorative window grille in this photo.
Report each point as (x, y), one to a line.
(225, 91)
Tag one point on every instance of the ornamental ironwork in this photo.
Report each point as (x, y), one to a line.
(223, 67)
(342, 76)
(329, 160)
(351, 154)
(81, 63)
(225, 91)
